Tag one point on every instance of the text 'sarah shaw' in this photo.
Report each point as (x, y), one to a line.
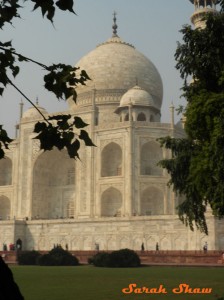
(183, 288)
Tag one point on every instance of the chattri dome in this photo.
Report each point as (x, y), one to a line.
(136, 96)
(33, 114)
(114, 66)
(204, 3)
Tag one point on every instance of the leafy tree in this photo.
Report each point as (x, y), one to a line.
(196, 166)
(60, 79)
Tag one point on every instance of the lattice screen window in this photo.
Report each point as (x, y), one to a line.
(70, 210)
(71, 176)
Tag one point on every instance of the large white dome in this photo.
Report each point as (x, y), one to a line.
(114, 67)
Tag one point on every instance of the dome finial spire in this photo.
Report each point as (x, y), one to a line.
(114, 27)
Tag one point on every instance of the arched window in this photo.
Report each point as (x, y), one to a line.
(152, 202)
(151, 118)
(70, 209)
(53, 185)
(111, 202)
(70, 176)
(5, 171)
(141, 117)
(4, 208)
(111, 160)
(126, 118)
(151, 154)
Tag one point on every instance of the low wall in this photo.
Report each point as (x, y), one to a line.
(166, 257)
(147, 257)
(181, 257)
(9, 256)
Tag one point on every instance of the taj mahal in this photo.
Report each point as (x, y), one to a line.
(115, 196)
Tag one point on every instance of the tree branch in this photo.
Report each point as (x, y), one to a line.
(10, 82)
(24, 57)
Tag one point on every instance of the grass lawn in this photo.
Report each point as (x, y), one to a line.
(91, 283)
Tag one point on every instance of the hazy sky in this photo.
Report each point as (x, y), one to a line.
(152, 26)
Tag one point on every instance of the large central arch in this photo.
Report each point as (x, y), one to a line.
(53, 186)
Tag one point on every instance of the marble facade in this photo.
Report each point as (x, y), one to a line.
(115, 196)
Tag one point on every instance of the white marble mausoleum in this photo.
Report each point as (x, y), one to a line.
(115, 196)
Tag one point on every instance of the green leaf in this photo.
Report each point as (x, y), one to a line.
(47, 8)
(4, 140)
(85, 137)
(73, 149)
(2, 153)
(66, 5)
(15, 71)
(39, 126)
(78, 122)
(59, 78)
(6, 44)
(68, 136)
(85, 75)
(60, 117)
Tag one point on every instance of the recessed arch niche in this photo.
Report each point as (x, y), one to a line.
(152, 201)
(111, 202)
(151, 154)
(126, 118)
(5, 207)
(141, 117)
(5, 171)
(111, 160)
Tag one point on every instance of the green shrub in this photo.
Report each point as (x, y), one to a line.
(28, 257)
(101, 259)
(58, 257)
(46, 260)
(124, 258)
(90, 260)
